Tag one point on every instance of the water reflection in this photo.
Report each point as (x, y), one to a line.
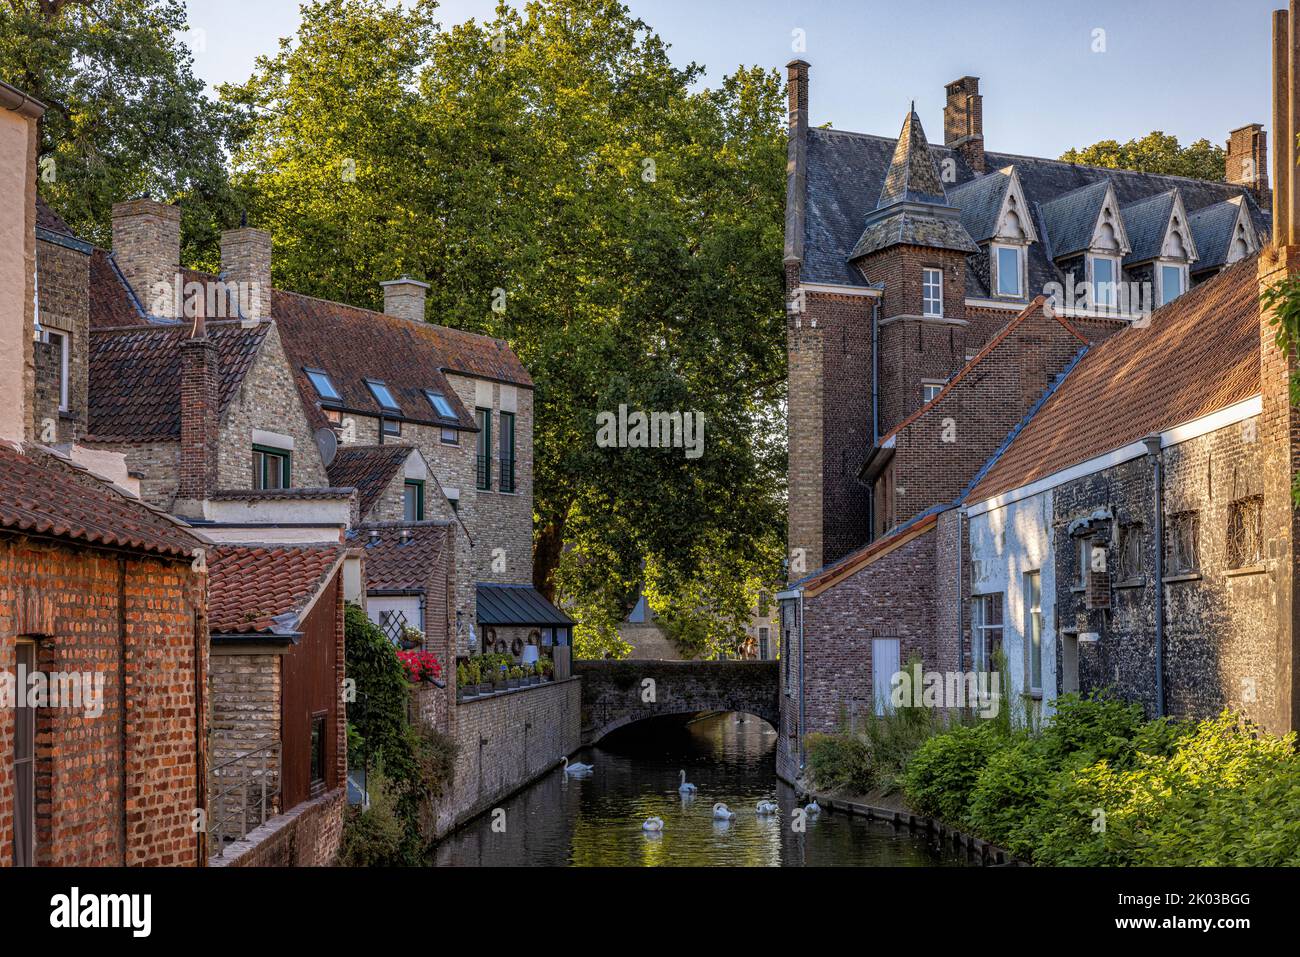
(596, 820)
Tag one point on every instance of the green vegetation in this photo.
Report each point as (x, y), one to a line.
(1157, 152)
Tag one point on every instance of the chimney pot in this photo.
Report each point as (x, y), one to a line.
(405, 298)
(963, 121)
(246, 265)
(1247, 160)
(147, 247)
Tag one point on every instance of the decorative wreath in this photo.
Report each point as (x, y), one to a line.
(517, 646)
(534, 637)
(500, 647)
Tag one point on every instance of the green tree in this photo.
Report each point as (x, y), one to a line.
(625, 224)
(125, 114)
(1157, 152)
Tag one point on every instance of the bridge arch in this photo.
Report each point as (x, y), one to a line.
(618, 693)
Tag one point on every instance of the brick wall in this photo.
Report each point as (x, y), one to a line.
(157, 464)
(65, 307)
(244, 709)
(309, 835)
(120, 788)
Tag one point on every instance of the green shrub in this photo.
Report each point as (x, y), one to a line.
(838, 761)
(1007, 793)
(1085, 730)
(892, 740)
(943, 771)
(377, 836)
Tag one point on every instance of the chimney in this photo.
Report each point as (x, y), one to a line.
(963, 121)
(1247, 163)
(147, 247)
(246, 263)
(796, 168)
(404, 298)
(200, 371)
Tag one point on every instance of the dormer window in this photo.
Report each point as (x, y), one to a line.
(323, 385)
(1172, 278)
(1008, 267)
(1105, 276)
(932, 292)
(383, 396)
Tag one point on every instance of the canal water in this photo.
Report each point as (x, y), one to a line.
(596, 820)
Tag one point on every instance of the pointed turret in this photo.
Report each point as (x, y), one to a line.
(912, 177)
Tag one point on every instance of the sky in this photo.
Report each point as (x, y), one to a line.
(1054, 73)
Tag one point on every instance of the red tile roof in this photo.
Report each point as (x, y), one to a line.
(135, 377)
(394, 566)
(1197, 355)
(851, 564)
(45, 494)
(111, 303)
(47, 218)
(368, 469)
(262, 589)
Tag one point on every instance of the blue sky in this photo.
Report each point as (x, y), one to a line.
(1189, 67)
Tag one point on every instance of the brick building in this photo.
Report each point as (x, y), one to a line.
(99, 594)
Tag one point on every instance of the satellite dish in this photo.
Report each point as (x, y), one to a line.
(328, 443)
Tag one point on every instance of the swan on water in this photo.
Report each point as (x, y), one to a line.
(577, 767)
(812, 809)
(722, 813)
(653, 824)
(685, 787)
(767, 807)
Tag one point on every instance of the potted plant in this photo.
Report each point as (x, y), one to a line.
(547, 667)
(499, 679)
(533, 674)
(410, 638)
(515, 674)
(471, 677)
(462, 682)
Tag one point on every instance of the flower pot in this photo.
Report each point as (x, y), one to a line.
(534, 679)
(512, 683)
(499, 684)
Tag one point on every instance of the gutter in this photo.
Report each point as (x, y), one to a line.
(1153, 443)
(16, 101)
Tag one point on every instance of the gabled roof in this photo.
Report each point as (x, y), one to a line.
(264, 590)
(517, 605)
(911, 177)
(48, 219)
(1147, 224)
(368, 469)
(980, 201)
(397, 564)
(112, 303)
(135, 376)
(1214, 228)
(1197, 355)
(852, 563)
(42, 493)
(1071, 220)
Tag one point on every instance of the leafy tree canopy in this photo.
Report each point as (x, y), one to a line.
(1157, 152)
(626, 226)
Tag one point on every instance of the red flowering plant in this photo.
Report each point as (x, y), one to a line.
(420, 665)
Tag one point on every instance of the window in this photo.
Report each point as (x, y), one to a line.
(1104, 276)
(60, 341)
(1246, 532)
(270, 468)
(323, 385)
(24, 812)
(454, 501)
(930, 389)
(884, 665)
(1008, 263)
(1034, 629)
(1130, 552)
(318, 751)
(932, 292)
(484, 417)
(1182, 543)
(507, 479)
(440, 405)
(383, 396)
(450, 437)
(1171, 283)
(986, 630)
(762, 643)
(413, 501)
(334, 416)
(1085, 563)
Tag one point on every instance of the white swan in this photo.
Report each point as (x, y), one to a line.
(684, 787)
(722, 813)
(653, 824)
(577, 767)
(767, 807)
(813, 809)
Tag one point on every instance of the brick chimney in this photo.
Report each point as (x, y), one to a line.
(246, 263)
(963, 121)
(147, 247)
(404, 298)
(200, 371)
(796, 168)
(1247, 162)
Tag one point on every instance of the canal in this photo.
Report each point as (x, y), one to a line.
(596, 820)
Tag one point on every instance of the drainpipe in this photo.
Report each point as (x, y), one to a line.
(803, 757)
(1152, 442)
(961, 616)
(875, 410)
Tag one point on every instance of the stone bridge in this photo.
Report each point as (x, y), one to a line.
(616, 693)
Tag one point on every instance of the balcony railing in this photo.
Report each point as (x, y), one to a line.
(242, 793)
(484, 472)
(507, 478)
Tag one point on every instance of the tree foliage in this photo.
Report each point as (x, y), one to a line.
(625, 222)
(125, 114)
(1157, 152)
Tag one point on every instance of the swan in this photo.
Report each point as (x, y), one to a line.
(767, 807)
(577, 767)
(684, 787)
(813, 809)
(722, 813)
(653, 824)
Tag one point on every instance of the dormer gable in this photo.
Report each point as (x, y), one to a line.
(1109, 237)
(1086, 220)
(1158, 228)
(1224, 233)
(1015, 222)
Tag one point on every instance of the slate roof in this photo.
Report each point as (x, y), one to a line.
(980, 200)
(135, 376)
(368, 469)
(1070, 220)
(517, 605)
(846, 172)
(45, 494)
(911, 177)
(48, 219)
(1146, 224)
(1213, 227)
(260, 590)
(1198, 354)
(396, 566)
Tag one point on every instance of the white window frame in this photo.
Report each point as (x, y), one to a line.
(1034, 631)
(889, 651)
(931, 305)
(439, 399)
(931, 384)
(65, 349)
(981, 650)
(1112, 303)
(1019, 253)
(1161, 266)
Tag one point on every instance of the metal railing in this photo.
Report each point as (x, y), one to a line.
(254, 774)
(507, 478)
(484, 477)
